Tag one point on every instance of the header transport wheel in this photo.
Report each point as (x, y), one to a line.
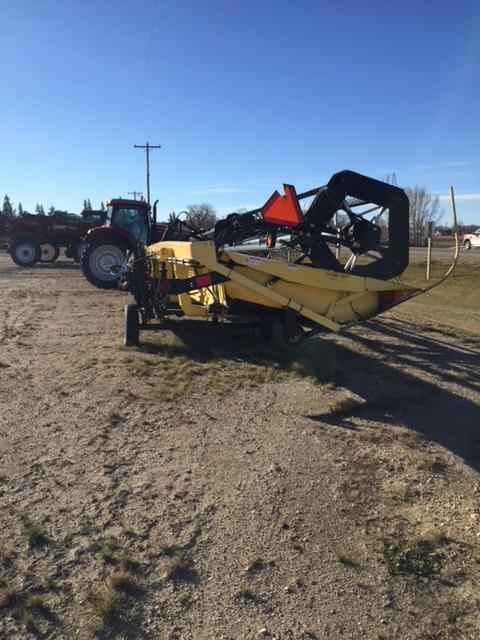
(132, 326)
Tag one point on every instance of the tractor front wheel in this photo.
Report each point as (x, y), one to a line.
(132, 326)
(101, 262)
(25, 254)
(50, 252)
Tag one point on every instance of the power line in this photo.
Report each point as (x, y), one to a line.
(147, 148)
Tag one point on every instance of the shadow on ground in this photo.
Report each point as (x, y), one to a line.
(400, 376)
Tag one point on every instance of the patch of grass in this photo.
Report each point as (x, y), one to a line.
(36, 603)
(27, 621)
(449, 305)
(180, 367)
(344, 558)
(412, 439)
(33, 532)
(418, 558)
(127, 563)
(105, 604)
(48, 583)
(11, 597)
(346, 406)
(109, 549)
(6, 556)
(139, 366)
(431, 463)
(125, 582)
(178, 569)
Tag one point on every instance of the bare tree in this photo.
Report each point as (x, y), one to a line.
(424, 207)
(202, 216)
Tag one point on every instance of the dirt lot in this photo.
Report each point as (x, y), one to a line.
(224, 491)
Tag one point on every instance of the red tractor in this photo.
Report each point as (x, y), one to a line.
(128, 224)
(32, 238)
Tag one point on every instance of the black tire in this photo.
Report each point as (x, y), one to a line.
(25, 254)
(97, 259)
(132, 326)
(76, 250)
(264, 331)
(467, 244)
(287, 337)
(50, 252)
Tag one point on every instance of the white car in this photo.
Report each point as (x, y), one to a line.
(471, 239)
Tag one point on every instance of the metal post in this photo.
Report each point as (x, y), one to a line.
(429, 229)
(429, 256)
(147, 148)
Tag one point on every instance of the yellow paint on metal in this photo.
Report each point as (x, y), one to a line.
(329, 298)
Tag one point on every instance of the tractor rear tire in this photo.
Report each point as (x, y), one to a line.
(132, 326)
(25, 254)
(50, 252)
(99, 257)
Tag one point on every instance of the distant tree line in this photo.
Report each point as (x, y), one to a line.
(9, 211)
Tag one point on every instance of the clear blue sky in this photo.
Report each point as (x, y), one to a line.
(242, 95)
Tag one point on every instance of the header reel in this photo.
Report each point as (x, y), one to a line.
(381, 240)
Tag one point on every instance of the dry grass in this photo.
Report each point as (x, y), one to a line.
(11, 597)
(36, 603)
(173, 368)
(33, 532)
(453, 304)
(105, 604)
(344, 558)
(125, 582)
(178, 568)
(345, 406)
(108, 550)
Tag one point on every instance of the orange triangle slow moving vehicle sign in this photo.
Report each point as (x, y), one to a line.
(284, 210)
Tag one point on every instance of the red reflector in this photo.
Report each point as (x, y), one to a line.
(203, 281)
(386, 298)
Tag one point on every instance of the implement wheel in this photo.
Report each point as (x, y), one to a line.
(288, 336)
(25, 254)
(50, 252)
(132, 326)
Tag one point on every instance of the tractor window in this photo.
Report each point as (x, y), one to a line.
(134, 221)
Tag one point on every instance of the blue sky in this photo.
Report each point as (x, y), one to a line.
(242, 96)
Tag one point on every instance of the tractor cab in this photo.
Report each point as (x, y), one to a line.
(132, 217)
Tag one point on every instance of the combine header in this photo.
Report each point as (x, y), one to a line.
(284, 269)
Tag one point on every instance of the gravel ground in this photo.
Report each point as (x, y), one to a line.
(158, 493)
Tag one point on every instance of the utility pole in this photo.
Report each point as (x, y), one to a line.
(147, 148)
(135, 194)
